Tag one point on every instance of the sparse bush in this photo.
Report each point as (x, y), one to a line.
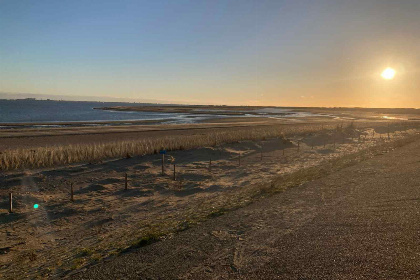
(148, 238)
(77, 263)
(85, 252)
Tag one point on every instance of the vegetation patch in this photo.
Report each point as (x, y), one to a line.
(67, 154)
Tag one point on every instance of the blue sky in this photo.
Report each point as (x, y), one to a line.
(286, 53)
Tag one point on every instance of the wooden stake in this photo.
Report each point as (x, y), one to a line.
(71, 192)
(239, 159)
(163, 164)
(388, 132)
(283, 151)
(298, 146)
(10, 203)
(261, 153)
(174, 173)
(210, 165)
(126, 182)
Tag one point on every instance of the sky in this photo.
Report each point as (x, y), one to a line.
(279, 53)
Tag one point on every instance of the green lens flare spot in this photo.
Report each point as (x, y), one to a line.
(36, 206)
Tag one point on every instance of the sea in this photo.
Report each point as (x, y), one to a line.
(41, 113)
(52, 111)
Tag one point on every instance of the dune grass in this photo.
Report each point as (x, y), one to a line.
(68, 154)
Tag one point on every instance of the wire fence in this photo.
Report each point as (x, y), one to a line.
(310, 140)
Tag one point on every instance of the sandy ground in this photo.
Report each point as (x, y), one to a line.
(360, 222)
(41, 137)
(104, 219)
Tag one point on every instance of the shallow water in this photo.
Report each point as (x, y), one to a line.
(39, 111)
(50, 111)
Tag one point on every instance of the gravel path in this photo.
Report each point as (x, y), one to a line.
(359, 223)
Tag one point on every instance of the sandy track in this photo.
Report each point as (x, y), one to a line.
(358, 223)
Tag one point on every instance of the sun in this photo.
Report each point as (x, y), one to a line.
(388, 73)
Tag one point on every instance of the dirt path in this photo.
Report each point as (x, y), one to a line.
(358, 223)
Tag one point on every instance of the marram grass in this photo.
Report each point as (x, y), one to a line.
(68, 154)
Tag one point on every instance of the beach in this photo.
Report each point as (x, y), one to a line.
(110, 214)
(209, 140)
(359, 222)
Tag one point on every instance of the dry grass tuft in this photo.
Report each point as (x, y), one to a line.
(62, 155)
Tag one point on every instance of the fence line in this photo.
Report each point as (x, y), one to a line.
(240, 159)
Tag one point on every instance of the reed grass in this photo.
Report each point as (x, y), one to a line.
(68, 154)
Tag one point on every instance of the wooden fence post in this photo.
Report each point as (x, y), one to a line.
(71, 192)
(388, 132)
(126, 182)
(163, 164)
(10, 202)
(174, 173)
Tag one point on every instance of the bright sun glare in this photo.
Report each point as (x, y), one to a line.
(388, 73)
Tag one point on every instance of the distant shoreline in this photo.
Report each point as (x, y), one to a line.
(199, 109)
(49, 114)
(228, 110)
(11, 125)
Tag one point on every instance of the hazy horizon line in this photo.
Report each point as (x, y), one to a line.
(78, 98)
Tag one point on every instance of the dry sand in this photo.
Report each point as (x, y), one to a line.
(358, 222)
(104, 219)
(41, 137)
